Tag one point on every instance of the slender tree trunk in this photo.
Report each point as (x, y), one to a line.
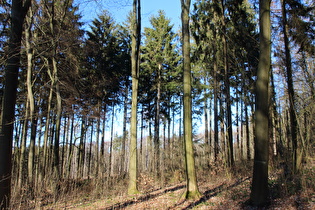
(98, 130)
(237, 129)
(157, 124)
(64, 146)
(207, 140)
(259, 193)
(50, 153)
(71, 146)
(210, 129)
(111, 142)
(141, 139)
(273, 111)
(227, 91)
(135, 52)
(123, 151)
(81, 149)
(19, 9)
(291, 92)
(169, 121)
(309, 129)
(102, 159)
(192, 187)
(151, 150)
(248, 155)
(17, 152)
(215, 102)
(38, 181)
(31, 100)
(223, 134)
(58, 123)
(22, 160)
(242, 133)
(90, 149)
(47, 129)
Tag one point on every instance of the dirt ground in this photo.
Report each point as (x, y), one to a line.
(218, 192)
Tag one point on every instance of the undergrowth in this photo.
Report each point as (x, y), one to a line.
(285, 189)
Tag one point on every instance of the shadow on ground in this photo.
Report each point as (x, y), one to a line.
(206, 195)
(213, 192)
(145, 197)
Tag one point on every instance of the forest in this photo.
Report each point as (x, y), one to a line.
(214, 115)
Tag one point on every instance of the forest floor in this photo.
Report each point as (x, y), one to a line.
(220, 190)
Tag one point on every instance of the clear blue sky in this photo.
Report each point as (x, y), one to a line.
(120, 9)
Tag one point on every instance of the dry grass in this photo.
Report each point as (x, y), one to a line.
(221, 189)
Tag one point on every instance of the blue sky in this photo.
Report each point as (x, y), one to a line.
(120, 9)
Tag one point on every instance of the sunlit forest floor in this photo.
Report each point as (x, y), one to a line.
(221, 189)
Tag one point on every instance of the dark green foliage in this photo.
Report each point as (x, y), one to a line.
(160, 64)
(107, 66)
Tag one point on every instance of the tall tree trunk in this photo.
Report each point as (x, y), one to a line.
(111, 142)
(135, 52)
(275, 117)
(227, 91)
(71, 146)
(192, 187)
(291, 92)
(259, 193)
(248, 155)
(22, 160)
(31, 100)
(168, 149)
(102, 156)
(157, 124)
(17, 152)
(19, 9)
(141, 139)
(98, 130)
(81, 149)
(206, 134)
(123, 150)
(64, 147)
(58, 123)
(237, 128)
(210, 129)
(47, 129)
(215, 101)
(39, 150)
(90, 149)
(242, 133)
(223, 134)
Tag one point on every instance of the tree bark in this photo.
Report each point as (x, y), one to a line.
(227, 91)
(90, 149)
(215, 100)
(111, 142)
(291, 92)
(206, 134)
(157, 124)
(47, 128)
(135, 52)
(102, 156)
(31, 100)
(123, 150)
(191, 179)
(18, 12)
(71, 147)
(98, 130)
(81, 149)
(58, 122)
(248, 155)
(22, 171)
(259, 193)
